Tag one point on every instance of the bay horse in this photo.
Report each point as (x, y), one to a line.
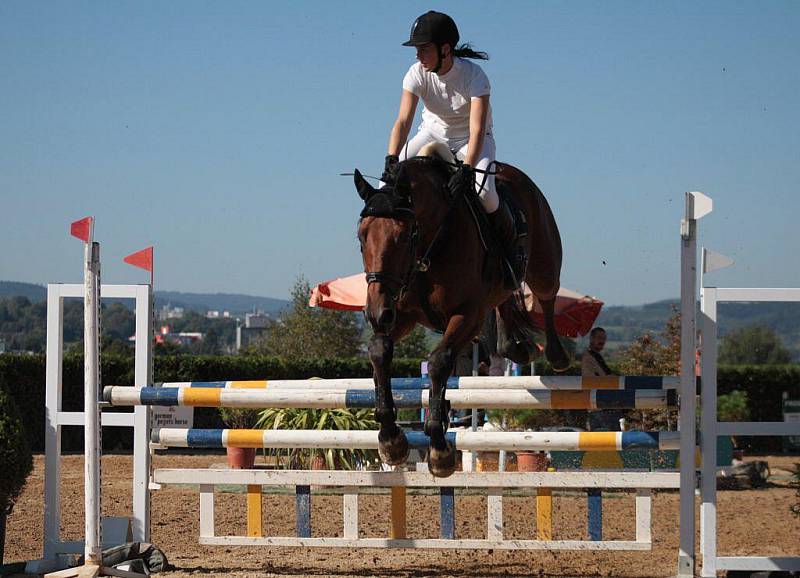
(425, 262)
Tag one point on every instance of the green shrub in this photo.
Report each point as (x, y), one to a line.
(15, 452)
(239, 418)
(733, 406)
(23, 376)
(321, 419)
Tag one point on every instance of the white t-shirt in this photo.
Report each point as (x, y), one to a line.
(447, 97)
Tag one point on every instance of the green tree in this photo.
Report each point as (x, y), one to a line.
(654, 355)
(22, 324)
(753, 345)
(304, 331)
(118, 322)
(166, 348)
(219, 334)
(414, 345)
(211, 344)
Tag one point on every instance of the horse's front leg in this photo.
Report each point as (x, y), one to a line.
(460, 330)
(392, 443)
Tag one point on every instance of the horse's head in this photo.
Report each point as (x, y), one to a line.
(388, 233)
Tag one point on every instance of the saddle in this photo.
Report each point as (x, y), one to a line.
(490, 240)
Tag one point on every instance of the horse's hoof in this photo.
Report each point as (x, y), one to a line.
(394, 449)
(558, 359)
(442, 463)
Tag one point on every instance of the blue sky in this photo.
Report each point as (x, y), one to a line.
(217, 130)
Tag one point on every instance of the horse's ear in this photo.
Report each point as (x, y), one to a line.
(364, 189)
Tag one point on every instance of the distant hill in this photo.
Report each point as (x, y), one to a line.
(623, 323)
(30, 290)
(236, 303)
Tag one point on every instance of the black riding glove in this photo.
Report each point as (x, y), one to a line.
(390, 168)
(461, 181)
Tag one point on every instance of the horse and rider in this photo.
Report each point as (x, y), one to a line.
(450, 235)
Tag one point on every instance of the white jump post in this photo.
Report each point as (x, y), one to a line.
(697, 206)
(93, 552)
(712, 428)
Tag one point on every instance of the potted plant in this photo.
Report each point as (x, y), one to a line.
(322, 419)
(15, 459)
(239, 418)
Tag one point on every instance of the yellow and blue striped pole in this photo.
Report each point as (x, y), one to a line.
(368, 439)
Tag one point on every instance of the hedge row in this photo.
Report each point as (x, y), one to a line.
(24, 378)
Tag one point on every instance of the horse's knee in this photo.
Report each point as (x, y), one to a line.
(440, 364)
(380, 350)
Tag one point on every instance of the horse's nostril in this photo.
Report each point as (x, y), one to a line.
(386, 317)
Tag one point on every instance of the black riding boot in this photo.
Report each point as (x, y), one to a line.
(513, 253)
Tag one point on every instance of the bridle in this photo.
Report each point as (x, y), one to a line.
(394, 206)
(419, 264)
(401, 283)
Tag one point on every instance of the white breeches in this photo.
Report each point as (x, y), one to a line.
(484, 183)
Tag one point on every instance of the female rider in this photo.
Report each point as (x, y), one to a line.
(455, 92)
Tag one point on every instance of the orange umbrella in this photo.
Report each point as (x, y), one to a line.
(575, 313)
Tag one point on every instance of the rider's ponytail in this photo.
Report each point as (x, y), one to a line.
(466, 51)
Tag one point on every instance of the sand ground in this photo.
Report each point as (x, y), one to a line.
(751, 522)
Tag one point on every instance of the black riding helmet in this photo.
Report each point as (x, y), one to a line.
(436, 28)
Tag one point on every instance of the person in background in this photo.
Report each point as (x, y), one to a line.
(592, 362)
(593, 365)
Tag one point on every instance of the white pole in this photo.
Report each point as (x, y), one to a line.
(708, 426)
(53, 390)
(474, 420)
(697, 205)
(91, 407)
(143, 375)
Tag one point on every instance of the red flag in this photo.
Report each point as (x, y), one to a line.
(82, 229)
(142, 259)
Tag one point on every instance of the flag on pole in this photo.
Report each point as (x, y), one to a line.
(142, 259)
(713, 261)
(83, 229)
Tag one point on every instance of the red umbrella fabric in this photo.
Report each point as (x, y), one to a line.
(575, 313)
